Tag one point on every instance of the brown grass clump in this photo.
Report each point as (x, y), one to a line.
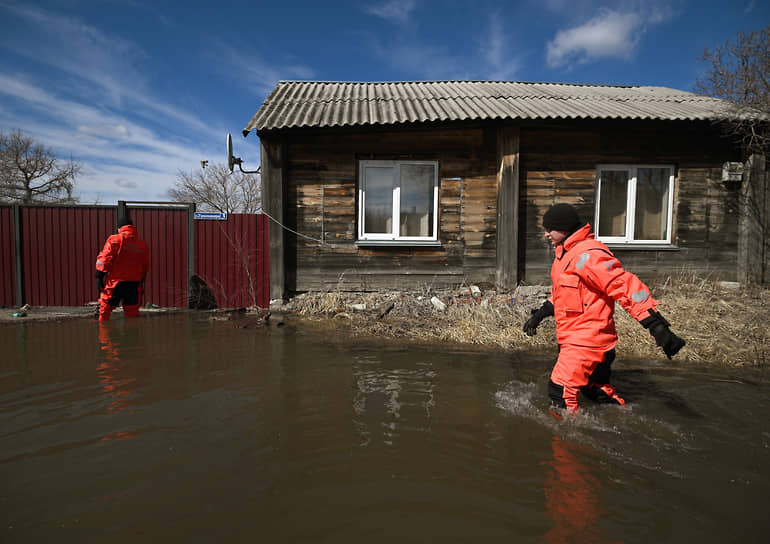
(722, 323)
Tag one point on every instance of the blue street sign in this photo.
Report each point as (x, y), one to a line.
(216, 216)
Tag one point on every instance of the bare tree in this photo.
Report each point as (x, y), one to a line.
(31, 173)
(214, 188)
(739, 72)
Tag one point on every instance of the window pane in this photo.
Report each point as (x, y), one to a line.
(651, 217)
(613, 195)
(416, 200)
(378, 187)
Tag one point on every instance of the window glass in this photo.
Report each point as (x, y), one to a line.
(378, 211)
(651, 217)
(613, 194)
(416, 203)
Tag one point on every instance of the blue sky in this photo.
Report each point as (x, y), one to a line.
(137, 90)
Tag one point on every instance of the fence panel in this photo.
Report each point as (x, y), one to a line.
(59, 247)
(232, 258)
(165, 231)
(7, 258)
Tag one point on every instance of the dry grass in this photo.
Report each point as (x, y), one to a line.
(721, 324)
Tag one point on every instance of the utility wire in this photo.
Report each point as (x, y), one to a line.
(322, 242)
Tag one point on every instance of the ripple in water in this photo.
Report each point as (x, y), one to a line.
(627, 433)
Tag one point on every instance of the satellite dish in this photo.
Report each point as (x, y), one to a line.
(232, 161)
(230, 158)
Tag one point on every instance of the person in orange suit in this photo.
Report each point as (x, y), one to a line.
(121, 268)
(587, 280)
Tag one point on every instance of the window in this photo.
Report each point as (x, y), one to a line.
(634, 204)
(398, 201)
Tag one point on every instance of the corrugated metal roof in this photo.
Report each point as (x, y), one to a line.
(296, 104)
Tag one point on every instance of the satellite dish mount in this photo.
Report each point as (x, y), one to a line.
(232, 161)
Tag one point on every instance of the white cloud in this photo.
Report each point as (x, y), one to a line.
(85, 94)
(395, 11)
(608, 34)
(110, 146)
(99, 68)
(68, 45)
(604, 32)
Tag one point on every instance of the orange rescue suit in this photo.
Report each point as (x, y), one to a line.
(125, 259)
(587, 279)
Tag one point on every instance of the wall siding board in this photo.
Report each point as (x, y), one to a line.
(321, 173)
(557, 163)
(705, 219)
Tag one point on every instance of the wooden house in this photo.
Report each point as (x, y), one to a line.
(411, 185)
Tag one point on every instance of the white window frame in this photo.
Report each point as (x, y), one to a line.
(394, 237)
(629, 238)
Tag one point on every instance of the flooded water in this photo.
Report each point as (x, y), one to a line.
(178, 428)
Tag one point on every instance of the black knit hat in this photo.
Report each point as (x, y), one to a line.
(562, 217)
(123, 221)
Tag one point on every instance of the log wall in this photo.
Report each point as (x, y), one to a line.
(321, 192)
(557, 163)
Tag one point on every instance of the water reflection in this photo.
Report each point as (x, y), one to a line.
(117, 384)
(381, 392)
(571, 494)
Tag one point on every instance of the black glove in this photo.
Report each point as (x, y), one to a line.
(530, 327)
(659, 329)
(100, 280)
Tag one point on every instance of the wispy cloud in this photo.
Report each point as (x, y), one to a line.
(68, 45)
(608, 34)
(86, 95)
(493, 57)
(395, 11)
(119, 156)
(100, 68)
(495, 49)
(253, 72)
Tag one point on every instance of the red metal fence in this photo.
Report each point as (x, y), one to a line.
(57, 249)
(166, 232)
(232, 258)
(7, 258)
(54, 248)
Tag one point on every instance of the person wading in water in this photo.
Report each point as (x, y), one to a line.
(123, 263)
(586, 280)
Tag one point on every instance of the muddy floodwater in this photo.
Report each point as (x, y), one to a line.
(183, 428)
